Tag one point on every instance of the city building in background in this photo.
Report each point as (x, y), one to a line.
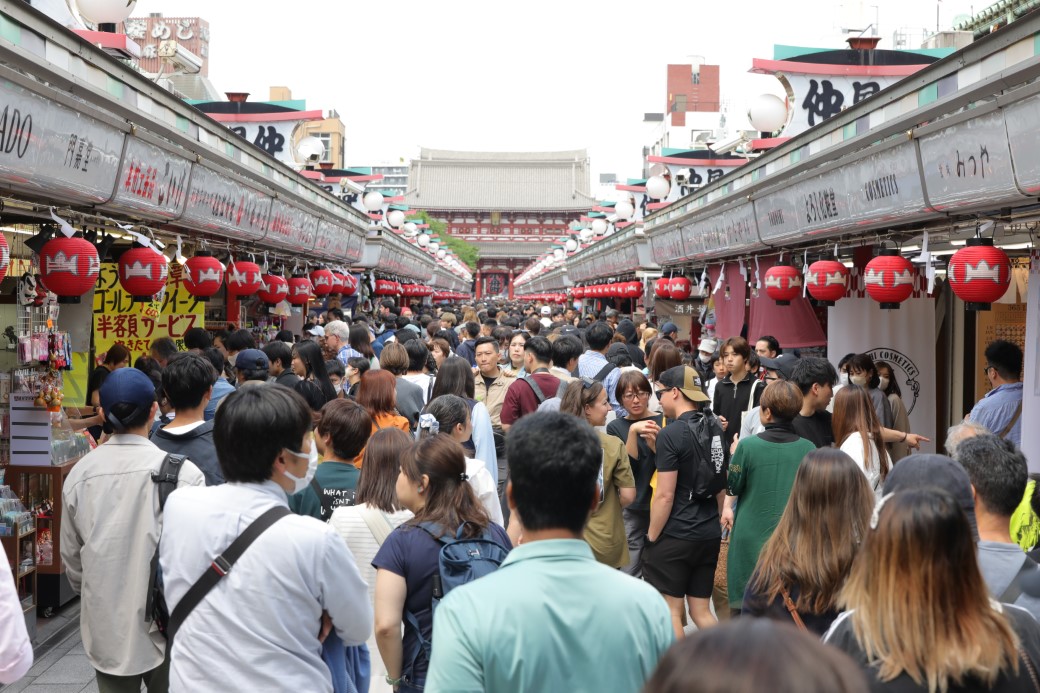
(395, 177)
(511, 205)
(176, 50)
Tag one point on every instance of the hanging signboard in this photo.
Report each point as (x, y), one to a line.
(152, 182)
(667, 247)
(724, 232)
(969, 164)
(1024, 139)
(48, 149)
(815, 98)
(876, 191)
(291, 227)
(224, 206)
(118, 319)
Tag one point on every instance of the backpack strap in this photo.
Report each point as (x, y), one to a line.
(166, 482)
(604, 372)
(1014, 419)
(221, 566)
(538, 394)
(377, 522)
(323, 500)
(1014, 590)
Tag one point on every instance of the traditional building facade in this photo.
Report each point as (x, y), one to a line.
(511, 205)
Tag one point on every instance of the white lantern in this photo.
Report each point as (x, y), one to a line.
(395, 218)
(657, 187)
(441, 253)
(310, 150)
(423, 240)
(585, 234)
(558, 254)
(105, 11)
(571, 245)
(599, 227)
(373, 201)
(767, 113)
(435, 246)
(410, 229)
(624, 210)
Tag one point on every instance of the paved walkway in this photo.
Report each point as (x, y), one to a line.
(63, 669)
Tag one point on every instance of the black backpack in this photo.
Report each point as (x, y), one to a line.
(166, 481)
(710, 456)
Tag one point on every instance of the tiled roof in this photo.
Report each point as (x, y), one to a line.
(510, 249)
(500, 181)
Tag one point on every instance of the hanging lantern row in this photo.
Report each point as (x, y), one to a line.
(674, 288)
(449, 296)
(416, 291)
(69, 267)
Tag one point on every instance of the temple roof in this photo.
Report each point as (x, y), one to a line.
(500, 181)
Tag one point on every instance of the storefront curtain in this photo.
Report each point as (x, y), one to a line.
(793, 326)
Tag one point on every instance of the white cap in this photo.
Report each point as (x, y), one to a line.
(546, 310)
(317, 331)
(708, 346)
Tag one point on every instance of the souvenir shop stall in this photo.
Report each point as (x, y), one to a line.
(128, 216)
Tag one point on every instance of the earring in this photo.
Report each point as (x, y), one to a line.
(420, 489)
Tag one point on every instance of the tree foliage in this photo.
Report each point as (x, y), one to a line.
(467, 253)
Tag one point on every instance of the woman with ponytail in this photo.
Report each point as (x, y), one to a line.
(433, 485)
(449, 415)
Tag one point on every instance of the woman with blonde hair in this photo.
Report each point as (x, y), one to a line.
(803, 566)
(918, 614)
(857, 432)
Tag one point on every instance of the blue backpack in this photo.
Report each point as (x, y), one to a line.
(462, 559)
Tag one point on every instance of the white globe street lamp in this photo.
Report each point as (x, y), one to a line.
(395, 218)
(441, 253)
(657, 187)
(571, 245)
(767, 113)
(599, 227)
(410, 229)
(423, 240)
(105, 11)
(624, 210)
(585, 234)
(373, 201)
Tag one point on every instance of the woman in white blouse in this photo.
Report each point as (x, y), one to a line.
(365, 525)
(857, 432)
(449, 414)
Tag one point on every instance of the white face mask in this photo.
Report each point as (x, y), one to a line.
(705, 358)
(843, 378)
(312, 466)
(883, 385)
(860, 380)
(338, 388)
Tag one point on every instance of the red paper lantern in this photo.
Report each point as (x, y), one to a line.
(300, 290)
(633, 289)
(69, 267)
(385, 287)
(680, 288)
(783, 284)
(274, 290)
(979, 273)
(142, 273)
(5, 257)
(889, 278)
(244, 278)
(578, 292)
(203, 275)
(338, 282)
(663, 288)
(827, 281)
(617, 290)
(322, 281)
(350, 285)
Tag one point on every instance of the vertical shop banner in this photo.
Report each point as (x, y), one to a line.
(1031, 381)
(119, 320)
(904, 339)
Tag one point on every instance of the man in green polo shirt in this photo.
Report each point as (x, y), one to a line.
(569, 623)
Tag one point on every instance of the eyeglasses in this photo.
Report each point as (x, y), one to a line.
(663, 391)
(985, 369)
(632, 396)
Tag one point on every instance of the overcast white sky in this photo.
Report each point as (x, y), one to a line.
(534, 75)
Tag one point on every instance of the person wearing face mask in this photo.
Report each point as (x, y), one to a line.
(843, 378)
(900, 418)
(863, 373)
(294, 584)
(705, 358)
(337, 373)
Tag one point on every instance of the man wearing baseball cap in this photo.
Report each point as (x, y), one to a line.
(110, 527)
(682, 544)
(546, 313)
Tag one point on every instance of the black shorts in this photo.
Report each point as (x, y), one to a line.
(679, 567)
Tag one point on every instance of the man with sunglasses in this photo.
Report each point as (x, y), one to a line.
(1000, 410)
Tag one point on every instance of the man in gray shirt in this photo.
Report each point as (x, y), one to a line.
(998, 474)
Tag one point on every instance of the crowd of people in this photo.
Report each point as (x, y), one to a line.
(497, 497)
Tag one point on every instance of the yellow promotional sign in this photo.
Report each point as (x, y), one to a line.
(118, 319)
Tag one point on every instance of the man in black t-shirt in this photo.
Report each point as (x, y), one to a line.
(682, 544)
(816, 378)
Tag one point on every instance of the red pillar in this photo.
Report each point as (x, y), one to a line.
(479, 288)
(510, 283)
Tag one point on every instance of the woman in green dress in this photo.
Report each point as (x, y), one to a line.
(761, 474)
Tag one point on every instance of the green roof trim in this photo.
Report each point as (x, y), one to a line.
(671, 151)
(782, 52)
(636, 181)
(596, 215)
(605, 204)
